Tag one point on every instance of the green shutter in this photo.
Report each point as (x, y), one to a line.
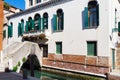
(26, 27)
(42, 25)
(11, 31)
(54, 22)
(39, 24)
(91, 49)
(86, 17)
(32, 24)
(22, 26)
(58, 47)
(118, 26)
(97, 15)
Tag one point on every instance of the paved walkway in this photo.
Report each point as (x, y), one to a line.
(14, 76)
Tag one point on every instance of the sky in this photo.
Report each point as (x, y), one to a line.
(16, 3)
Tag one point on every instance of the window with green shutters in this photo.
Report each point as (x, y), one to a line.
(39, 24)
(92, 48)
(45, 23)
(90, 15)
(26, 27)
(59, 47)
(58, 21)
(22, 26)
(54, 22)
(118, 26)
(45, 20)
(20, 30)
(32, 24)
(4, 34)
(42, 23)
(10, 31)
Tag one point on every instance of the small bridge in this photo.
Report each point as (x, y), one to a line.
(16, 54)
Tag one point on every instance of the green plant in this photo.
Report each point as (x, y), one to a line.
(19, 63)
(15, 68)
(24, 59)
(6, 6)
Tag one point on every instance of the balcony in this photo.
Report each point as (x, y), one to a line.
(37, 33)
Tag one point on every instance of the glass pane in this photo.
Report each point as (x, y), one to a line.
(91, 48)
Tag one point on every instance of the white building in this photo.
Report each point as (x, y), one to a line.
(77, 35)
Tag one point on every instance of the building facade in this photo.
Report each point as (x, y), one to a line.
(79, 35)
(7, 12)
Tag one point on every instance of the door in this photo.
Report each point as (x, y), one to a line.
(45, 50)
(113, 58)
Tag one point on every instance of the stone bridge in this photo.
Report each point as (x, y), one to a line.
(15, 55)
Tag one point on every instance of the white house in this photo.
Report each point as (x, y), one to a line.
(79, 35)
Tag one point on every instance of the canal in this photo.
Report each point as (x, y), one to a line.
(47, 75)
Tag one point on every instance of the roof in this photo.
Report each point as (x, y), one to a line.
(38, 7)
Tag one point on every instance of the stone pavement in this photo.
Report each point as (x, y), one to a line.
(14, 76)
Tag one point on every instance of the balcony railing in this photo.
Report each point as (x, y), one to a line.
(36, 33)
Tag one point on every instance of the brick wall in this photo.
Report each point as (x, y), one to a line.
(1, 23)
(95, 64)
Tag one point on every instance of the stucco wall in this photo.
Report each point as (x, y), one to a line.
(73, 37)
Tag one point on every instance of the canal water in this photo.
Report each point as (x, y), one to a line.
(52, 76)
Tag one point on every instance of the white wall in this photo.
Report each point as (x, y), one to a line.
(73, 37)
(114, 35)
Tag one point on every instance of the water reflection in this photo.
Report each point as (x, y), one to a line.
(50, 76)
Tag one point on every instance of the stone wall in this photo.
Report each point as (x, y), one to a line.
(96, 64)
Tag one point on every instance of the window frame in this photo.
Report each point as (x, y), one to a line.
(95, 48)
(61, 46)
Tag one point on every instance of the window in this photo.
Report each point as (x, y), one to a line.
(31, 2)
(10, 30)
(19, 29)
(59, 47)
(119, 27)
(92, 48)
(30, 24)
(37, 1)
(45, 21)
(58, 21)
(4, 34)
(22, 27)
(37, 23)
(91, 15)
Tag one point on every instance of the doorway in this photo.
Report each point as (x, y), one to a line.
(45, 49)
(113, 59)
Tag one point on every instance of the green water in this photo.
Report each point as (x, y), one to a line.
(54, 76)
